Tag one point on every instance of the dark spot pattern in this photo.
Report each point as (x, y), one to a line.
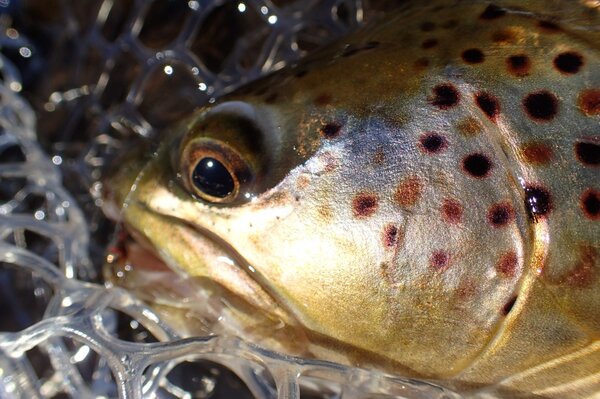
(537, 153)
(518, 65)
(473, 56)
(330, 130)
(492, 11)
(452, 211)
(589, 102)
(549, 26)
(590, 204)
(390, 235)
(439, 260)
(588, 153)
(365, 205)
(449, 24)
(542, 106)
(488, 104)
(408, 191)
(445, 96)
(500, 215)
(427, 26)
(538, 202)
(469, 126)
(477, 165)
(568, 62)
(507, 265)
(509, 306)
(432, 143)
(584, 272)
(504, 36)
(429, 43)
(323, 99)
(421, 63)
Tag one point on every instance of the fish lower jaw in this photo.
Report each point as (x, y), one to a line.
(195, 305)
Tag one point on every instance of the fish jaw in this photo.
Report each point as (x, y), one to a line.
(148, 251)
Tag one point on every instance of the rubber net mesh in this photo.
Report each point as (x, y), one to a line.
(118, 69)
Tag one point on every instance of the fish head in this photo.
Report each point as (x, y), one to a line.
(330, 197)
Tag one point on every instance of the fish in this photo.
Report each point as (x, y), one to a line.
(421, 197)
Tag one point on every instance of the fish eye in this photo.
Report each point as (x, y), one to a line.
(213, 178)
(215, 172)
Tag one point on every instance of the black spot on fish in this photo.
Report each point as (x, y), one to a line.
(518, 65)
(492, 12)
(445, 96)
(538, 201)
(590, 203)
(429, 43)
(477, 165)
(588, 153)
(488, 104)
(330, 130)
(568, 62)
(541, 106)
(432, 142)
(427, 26)
(473, 56)
(500, 215)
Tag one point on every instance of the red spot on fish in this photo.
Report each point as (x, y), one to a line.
(488, 104)
(505, 36)
(477, 165)
(541, 106)
(391, 236)
(439, 260)
(492, 11)
(537, 153)
(452, 211)
(518, 65)
(421, 64)
(538, 201)
(429, 43)
(568, 62)
(408, 191)
(590, 204)
(330, 130)
(365, 205)
(445, 96)
(589, 102)
(588, 153)
(432, 143)
(500, 215)
(323, 99)
(584, 272)
(466, 289)
(507, 265)
(473, 56)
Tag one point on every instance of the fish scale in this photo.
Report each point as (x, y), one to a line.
(421, 197)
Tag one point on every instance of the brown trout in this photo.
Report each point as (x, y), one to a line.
(422, 197)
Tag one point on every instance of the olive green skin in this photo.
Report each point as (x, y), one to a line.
(363, 246)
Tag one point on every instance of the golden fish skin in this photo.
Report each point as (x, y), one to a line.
(422, 198)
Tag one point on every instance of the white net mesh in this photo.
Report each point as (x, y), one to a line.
(64, 336)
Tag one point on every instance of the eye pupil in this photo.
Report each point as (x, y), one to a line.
(212, 178)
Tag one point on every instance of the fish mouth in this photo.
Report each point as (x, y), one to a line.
(228, 289)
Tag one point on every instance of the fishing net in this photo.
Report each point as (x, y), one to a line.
(76, 83)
